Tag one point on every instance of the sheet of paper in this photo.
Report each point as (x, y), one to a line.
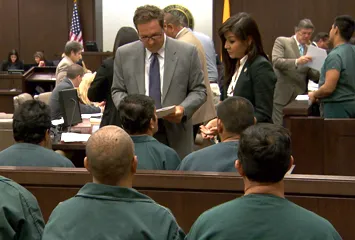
(302, 98)
(312, 86)
(87, 116)
(162, 112)
(318, 57)
(57, 122)
(75, 137)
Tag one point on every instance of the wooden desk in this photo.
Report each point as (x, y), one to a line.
(39, 76)
(93, 60)
(187, 195)
(74, 151)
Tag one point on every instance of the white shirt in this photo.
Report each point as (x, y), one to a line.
(148, 59)
(236, 76)
(298, 46)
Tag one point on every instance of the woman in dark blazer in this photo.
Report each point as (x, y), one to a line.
(248, 71)
(13, 62)
(100, 89)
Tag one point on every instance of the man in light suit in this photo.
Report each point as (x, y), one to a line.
(167, 70)
(72, 54)
(289, 59)
(175, 27)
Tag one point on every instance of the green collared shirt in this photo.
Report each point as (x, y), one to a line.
(341, 58)
(153, 155)
(101, 211)
(20, 215)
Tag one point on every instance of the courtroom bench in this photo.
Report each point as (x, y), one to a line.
(188, 194)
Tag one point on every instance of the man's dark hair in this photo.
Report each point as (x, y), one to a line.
(75, 70)
(176, 18)
(236, 114)
(136, 111)
(31, 120)
(321, 36)
(72, 46)
(147, 13)
(345, 25)
(265, 152)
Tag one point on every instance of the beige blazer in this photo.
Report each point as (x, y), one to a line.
(291, 79)
(207, 111)
(61, 71)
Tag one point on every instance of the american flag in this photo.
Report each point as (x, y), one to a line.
(75, 30)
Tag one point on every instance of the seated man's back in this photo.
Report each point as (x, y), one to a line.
(73, 79)
(234, 115)
(31, 126)
(139, 119)
(20, 215)
(109, 208)
(264, 157)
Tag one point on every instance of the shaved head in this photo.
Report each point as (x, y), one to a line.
(109, 153)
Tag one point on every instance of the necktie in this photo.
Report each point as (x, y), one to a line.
(154, 80)
(301, 50)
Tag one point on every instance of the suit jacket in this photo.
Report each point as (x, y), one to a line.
(61, 71)
(182, 85)
(256, 83)
(100, 90)
(207, 111)
(291, 79)
(54, 103)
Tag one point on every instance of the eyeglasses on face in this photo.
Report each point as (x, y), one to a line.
(153, 37)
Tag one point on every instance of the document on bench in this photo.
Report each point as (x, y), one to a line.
(162, 112)
(74, 137)
(318, 57)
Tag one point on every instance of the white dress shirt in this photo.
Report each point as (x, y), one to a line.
(236, 76)
(148, 59)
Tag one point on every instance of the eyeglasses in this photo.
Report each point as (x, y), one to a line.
(154, 37)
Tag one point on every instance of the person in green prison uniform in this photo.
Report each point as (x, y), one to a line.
(337, 82)
(234, 115)
(109, 208)
(262, 213)
(139, 119)
(20, 215)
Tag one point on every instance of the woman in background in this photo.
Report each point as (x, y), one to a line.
(13, 62)
(41, 60)
(100, 89)
(84, 86)
(248, 71)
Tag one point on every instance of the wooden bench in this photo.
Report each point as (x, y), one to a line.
(190, 194)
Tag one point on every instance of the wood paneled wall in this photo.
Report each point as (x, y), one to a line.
(35, 25)
(279, 17)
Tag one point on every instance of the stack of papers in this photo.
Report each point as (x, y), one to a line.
(162, 112)
(318, 57)
(88, 116)
(75, 137)
(302, 98)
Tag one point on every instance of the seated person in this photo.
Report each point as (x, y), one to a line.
(263, 212)
(20, 215)
(109, 208)
(31, 126)
(72, 54)
(234, 115)
(41, 60)
(139, 119)
(73, 79)
(13, 62)
(84, 87)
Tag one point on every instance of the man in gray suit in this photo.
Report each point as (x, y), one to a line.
(289, 59)
(167, 70)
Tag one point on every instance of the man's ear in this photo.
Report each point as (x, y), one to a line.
(134, 165)
(220, 126)
(291, 163)
(47, 140)
(239, 168)
(86, 164)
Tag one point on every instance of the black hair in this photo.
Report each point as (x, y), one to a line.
(345, 25)
(265, 152)
(236, 114)
(13, 52)
(31, 121)
(136, 111)
(321, 36)
(124, 35)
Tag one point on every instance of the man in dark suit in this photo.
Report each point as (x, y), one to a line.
(167, 70)
(73, 79)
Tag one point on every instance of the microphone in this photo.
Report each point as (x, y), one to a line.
(72, 115)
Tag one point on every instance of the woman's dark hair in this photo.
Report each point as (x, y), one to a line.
(124, 35)
(13, 52)
(242, 25)
(40, 55)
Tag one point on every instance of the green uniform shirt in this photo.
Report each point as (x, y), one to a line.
(216, 158)
(153, 155)
(110, 212)
(261, 217)
(32, 155)
(341, 58)
(20, 215)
